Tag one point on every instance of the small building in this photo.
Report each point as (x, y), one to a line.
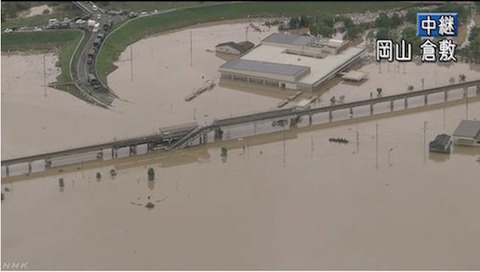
(234, 48)
(467, 133)
(441, 144)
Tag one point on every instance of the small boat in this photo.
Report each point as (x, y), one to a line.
(339, 140)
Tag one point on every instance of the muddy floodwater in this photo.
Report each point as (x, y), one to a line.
(302, 203)
(284, 200)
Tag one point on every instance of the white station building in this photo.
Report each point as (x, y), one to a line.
(292, 61)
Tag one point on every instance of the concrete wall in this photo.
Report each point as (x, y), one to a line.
(268, 76)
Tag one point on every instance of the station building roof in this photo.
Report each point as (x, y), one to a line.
(264, 67)
(289, 39)
(320, 68)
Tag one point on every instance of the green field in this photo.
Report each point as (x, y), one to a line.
(136, 30)
(152, 5)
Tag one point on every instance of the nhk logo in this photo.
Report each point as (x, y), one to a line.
(14, 265)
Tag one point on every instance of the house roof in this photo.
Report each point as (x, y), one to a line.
(241, 46)
(264, 67)
(289, 39)
(468, 128)
(441, 139)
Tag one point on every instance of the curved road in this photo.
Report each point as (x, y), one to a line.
(80, 66)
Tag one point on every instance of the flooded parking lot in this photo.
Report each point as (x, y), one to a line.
(285, 200)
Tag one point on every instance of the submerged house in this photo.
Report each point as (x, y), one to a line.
(467, 133)
(441, 144)
(234, 48)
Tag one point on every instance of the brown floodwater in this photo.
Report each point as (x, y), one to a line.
(285, 200)
(304, 203)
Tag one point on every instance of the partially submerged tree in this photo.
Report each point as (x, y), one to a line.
(224, 152)
(151, 173)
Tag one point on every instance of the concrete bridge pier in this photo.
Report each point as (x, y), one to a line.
(48, 163)
(204, 138)
(133, 150)
(29, 167)
(310, 119)
(371, 109)
(149, 147)
(114, 152)
(294, 121)
(330, 116)
(351, 112)
(478, 89)
(446, 96)
(391, 105)
(218, 133)
(7, 170)
(426, 100)
(100, 155)
(406, 102)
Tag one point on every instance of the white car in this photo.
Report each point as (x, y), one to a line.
(37, 29)
(94, 8)
(99, 17)
(8, 30)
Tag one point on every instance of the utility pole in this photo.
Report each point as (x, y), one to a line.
(191, 49)
(284, 147)
(424, 140)
(131, 62)
(311, 145)
(44, 77)
(466, 102)
(376, 147)
(444, 116)
(358, 137)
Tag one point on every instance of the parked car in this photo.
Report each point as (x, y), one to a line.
(8, 30)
